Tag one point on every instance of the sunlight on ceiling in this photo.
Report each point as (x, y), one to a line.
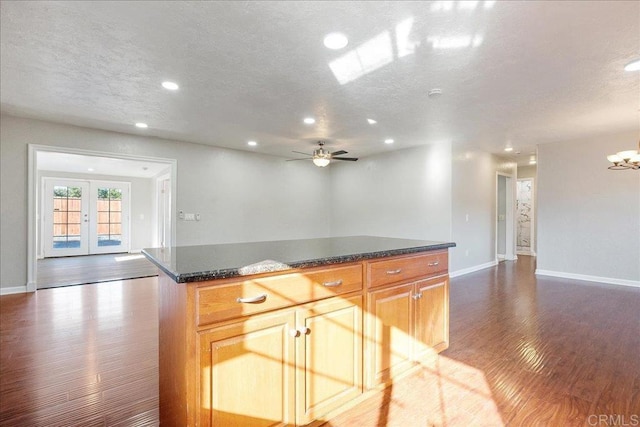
(378, 51)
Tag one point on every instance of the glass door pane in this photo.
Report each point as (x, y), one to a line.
(65, 219)
(110, 202)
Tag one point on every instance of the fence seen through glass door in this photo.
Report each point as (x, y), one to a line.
(109, 210)
(67, 217)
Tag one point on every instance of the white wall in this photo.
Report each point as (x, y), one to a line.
(588, 216)
(142, 204)
(474, 197)
(241, 196)
(403, 193)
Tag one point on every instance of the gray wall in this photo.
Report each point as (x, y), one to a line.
(588, 216)
(241, 196)
(474, 194)
(403, 193)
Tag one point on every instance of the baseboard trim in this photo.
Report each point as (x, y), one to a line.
(527, 253)
(587, 278)
(13, 290)
(473, 269)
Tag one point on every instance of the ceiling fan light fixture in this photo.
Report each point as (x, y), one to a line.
(321, 161)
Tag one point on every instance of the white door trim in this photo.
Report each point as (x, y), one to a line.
(32, 195)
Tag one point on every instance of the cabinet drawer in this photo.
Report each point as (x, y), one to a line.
(395, 270)
(225, 301)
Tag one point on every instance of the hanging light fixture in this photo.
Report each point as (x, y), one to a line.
(628, 159)
(321, 157)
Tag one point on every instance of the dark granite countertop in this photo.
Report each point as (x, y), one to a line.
(207, 262)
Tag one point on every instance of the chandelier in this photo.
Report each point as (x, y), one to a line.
(628, 159)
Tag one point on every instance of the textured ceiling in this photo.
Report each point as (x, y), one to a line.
(522, 73)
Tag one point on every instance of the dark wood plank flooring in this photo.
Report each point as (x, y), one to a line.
(78, 270)
(525, 351)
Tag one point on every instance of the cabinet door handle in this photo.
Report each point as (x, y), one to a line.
(417, 296)
(294, 333)
(433, 264)
(332, 284)
(304, 330)
(253, 300)
(397, 271)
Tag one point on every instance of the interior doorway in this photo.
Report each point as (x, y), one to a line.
(84, 204)
(525, 200)
(505, 223)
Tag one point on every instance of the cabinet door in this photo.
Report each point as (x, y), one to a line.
(329, 356)
(390, 331)
(432, 314)
(247, 373)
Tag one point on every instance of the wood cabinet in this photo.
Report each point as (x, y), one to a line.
(282, 368)
(285, 349)
(406, 322)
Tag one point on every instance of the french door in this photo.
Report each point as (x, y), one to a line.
(85, 217)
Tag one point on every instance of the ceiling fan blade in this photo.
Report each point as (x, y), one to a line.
(339, 153)
(349, 159)
(293, 160)
(306, 154)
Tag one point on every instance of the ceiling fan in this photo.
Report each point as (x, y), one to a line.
(322, 157)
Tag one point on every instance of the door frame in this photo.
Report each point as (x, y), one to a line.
(33, 195)
(510, 244)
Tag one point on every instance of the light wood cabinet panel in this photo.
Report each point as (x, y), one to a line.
(404, 268)
(329, 356)
(220, 301)
(390, 331)
(432, 314)
(247, 372)
(406, 323)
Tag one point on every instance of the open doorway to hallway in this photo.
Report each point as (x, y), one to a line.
(92, 214)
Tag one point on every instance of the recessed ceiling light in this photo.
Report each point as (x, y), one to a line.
(170, 85)
(142, 125)
(309, 120)
(90, 169)
(532, 162)
(335, 41)
(252, 143)
(508, 149)
(389, 141)
(633, 66)
(371, 121)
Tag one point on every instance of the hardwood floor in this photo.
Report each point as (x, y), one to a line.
(78, 270)
(524, 351)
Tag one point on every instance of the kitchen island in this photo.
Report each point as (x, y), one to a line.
(292, 332)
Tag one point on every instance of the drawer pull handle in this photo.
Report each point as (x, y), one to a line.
(332, 284)
(253, 300)
(433, 264)
(397, 271)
